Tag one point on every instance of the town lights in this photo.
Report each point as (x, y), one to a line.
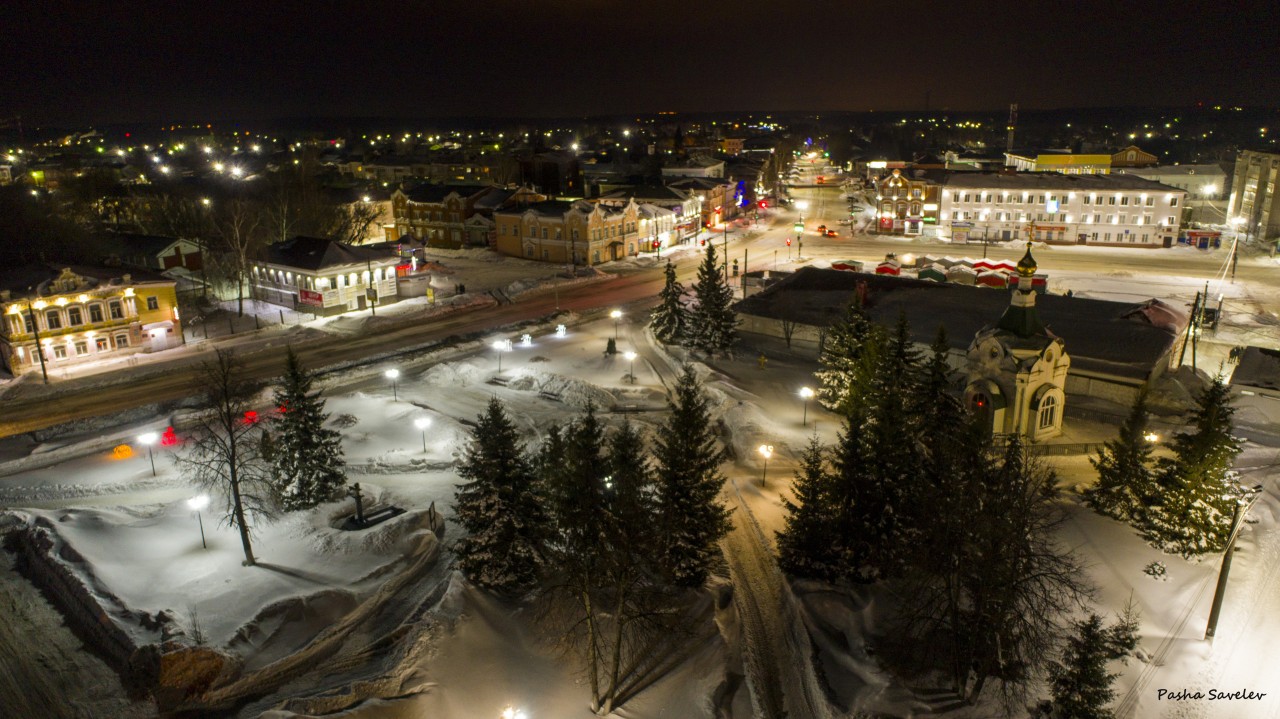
(766, 451)
(806, 394)
(422, 423)
(197, 503)
(631, 357)
(616, 315)
(512, 713)
(149, 439)
(393, 375)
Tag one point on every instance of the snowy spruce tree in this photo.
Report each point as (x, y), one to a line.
(806, 544)
(1196, 487)
(306, 457)
(670, 318)
(1125, 479)
(712, 324)
(848, 358)
(631, 495)
(1079, 679)
(688, 482)
(499, 507)
(573, 473)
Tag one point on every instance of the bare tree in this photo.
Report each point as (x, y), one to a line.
(349, 224)
(240, 229)
(226, 455)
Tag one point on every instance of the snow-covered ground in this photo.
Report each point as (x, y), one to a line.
(141, 544)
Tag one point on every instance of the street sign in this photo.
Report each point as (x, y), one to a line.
(799, 227)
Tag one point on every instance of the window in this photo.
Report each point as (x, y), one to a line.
(1088, 200)
(75, 316)
(1111, 200)
(82, 348)
(1124, 200)
(1146, 237)
(100, 344)
(95, 313)
(1151, 201)
(153, 303)
(1173, 202)
(53, 320)
(116, 310)
(1107, 237)
(1048, 411)
(1171, 220)
(60, 352)
(121, 341)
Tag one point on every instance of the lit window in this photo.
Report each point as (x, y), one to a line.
(1048, 411)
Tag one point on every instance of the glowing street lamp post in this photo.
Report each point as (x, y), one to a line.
(766, 451)
(801, 205)
(393, 375)
(805, 394)
(149, 439)
(616, 315)
(197, 503)
(500, 346)
(631, 357)
(422, 423)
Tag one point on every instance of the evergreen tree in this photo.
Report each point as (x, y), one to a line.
(1125, 478)
(1195, 488)
(306, 457)
(630, 493)
(712, 324)
(499, 506)
(670, 318)
(688, 481)
(848, 355)
(866, 510)
(939, 413)
(807, 544)
(1080, 680)
(573, 480)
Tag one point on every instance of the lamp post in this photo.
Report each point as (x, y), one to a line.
(1235, 243)
(631, 357)
(422, 423)
(616, 315)
(149, 439)
(35, 331)
(806, 393)
(197, 503)
(393, 374)
(500, 346)
(1241, 508)
(766, 451)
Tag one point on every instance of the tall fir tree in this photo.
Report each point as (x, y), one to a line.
(573, 482)
(1196, 487)
(1125, 479)
(688, 481)
(807, 544)
(1079, 680)
(499, 507)
(670, 318)
(848, 357)
(306, 457)
(630, 493)
(712, 324)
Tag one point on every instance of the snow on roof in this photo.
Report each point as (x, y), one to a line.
(1259, 367)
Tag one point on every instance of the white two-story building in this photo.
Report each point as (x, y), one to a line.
(1119, 210)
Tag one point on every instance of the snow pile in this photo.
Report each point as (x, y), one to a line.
(463, 373)
(584, 275)
(571, 391)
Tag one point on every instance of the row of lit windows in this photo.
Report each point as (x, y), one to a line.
(75, 315)
(79, 347)
(1029, 199)
(284, 277)
(1040, 217)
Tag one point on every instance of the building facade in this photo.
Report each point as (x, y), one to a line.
(578, 232)
(438, 215)
(1065, 162)
(906, 205)
(685, 207)
(325, 277)
(1118, 210)
(1207, 188)
(1256, 197)
(1133, 156)
(82, 315)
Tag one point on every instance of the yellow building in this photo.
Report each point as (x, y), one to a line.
(1065, 162)
(83, 315)
(557, 230)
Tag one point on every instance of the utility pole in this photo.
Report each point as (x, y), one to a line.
(1221, 589)
(35, 330)
(1013, 124)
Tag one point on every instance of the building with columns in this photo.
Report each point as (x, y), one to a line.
(1016, 369)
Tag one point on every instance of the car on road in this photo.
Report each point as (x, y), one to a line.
(822, 229)
(832, 233)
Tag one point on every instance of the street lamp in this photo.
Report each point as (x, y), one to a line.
(513, 713)
(616, 315)
(393, 375)
(197, 503)
(1235, 243)
(501, 346)
(1151, 437)
(422, 423)
(801, 205)
(766, 451)
(149, 439)
(631, 357)
(806, 394)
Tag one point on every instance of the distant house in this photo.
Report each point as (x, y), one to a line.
(695, 166)
(325, 277)
(153, 252)
(1133, 156)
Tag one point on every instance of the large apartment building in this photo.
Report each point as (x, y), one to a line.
(1255, 195)
(83, 315)
(1123, 210)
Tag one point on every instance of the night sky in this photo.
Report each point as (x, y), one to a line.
(179, 60)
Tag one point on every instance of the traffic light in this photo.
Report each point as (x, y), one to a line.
(702, 242)
(788, 242)
(763, 204)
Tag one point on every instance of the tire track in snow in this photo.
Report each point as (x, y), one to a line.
(776, 650)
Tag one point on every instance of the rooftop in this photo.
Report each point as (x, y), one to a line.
(1052, 181)
(317, 253)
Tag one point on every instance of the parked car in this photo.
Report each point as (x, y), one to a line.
(832, 233)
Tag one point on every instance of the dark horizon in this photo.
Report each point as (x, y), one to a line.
(99, 63)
